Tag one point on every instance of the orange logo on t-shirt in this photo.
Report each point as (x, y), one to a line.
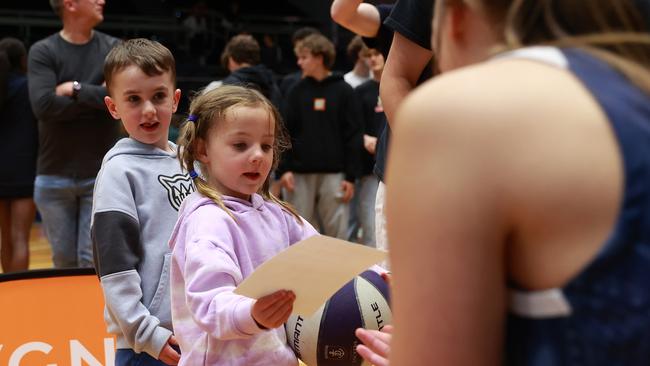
(319, 104)
(379, 108)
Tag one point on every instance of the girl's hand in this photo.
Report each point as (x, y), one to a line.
(271, 311)
(169, 355)
(376, 345)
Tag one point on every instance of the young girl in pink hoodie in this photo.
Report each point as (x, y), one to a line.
(229, 227)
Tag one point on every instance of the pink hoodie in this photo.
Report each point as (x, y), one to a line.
(211, 255)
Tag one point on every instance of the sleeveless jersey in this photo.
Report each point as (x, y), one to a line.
(602, 316)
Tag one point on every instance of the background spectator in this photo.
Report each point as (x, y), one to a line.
(242, 58)
(75, 131)
(18, 129)
(323, 118)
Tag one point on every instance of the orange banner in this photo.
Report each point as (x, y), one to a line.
(53, 318)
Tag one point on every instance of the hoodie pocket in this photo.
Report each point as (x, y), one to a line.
(160, 298)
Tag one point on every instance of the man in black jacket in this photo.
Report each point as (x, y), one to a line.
(323, 117)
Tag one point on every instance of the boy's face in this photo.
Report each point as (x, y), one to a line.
(375, 60)
(309, 64)
(145, 104)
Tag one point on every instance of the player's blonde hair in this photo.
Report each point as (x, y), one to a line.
(612, 30)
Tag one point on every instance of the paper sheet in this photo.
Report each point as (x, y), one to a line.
(314, 269)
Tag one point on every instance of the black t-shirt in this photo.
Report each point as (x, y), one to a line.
(374, 119)
(384, 37)
(411, 19)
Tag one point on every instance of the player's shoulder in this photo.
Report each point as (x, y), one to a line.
(494, 92)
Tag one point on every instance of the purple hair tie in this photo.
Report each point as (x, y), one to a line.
(193, 117)
(193, 174)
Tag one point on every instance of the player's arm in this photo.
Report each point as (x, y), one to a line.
(404, 64)
(357, 16)
(446, 214)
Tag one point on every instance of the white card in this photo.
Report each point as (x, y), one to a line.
(314, 269)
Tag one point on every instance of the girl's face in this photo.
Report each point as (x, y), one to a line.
(238, 152)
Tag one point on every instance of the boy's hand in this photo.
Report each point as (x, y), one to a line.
(376, 345)
(370, 143)
(271, 311)
(169, 355)
(64, 89)
(288, 182)
(347, 188)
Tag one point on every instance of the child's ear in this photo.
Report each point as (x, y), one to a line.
(320, 58)
(112, 109)
(177, 98)
(69, 4)
(458, 18)
(201, 151)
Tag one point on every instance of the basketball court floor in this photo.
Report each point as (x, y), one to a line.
(40, 255)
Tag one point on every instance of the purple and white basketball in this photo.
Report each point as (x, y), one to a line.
(327, 337)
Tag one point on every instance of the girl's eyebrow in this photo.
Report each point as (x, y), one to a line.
(245, 133)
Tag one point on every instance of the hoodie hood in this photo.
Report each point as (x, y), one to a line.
(259, 77)
(129, 146)
(331, 78)
(257, 74)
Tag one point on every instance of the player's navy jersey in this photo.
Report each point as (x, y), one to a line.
(602, 316)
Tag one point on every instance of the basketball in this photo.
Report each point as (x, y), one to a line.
(327, 337)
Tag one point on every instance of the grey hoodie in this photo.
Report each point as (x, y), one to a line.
(135, 205)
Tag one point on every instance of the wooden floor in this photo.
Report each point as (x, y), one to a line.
(40, 254)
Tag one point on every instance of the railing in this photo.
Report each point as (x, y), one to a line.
(120, 25)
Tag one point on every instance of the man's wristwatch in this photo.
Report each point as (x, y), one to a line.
(76, 88)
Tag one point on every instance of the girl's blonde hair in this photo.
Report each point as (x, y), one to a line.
(208, 109)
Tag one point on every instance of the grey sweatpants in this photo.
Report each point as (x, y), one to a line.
(317, 197)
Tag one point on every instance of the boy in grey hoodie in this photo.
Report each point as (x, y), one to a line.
(137, 195)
